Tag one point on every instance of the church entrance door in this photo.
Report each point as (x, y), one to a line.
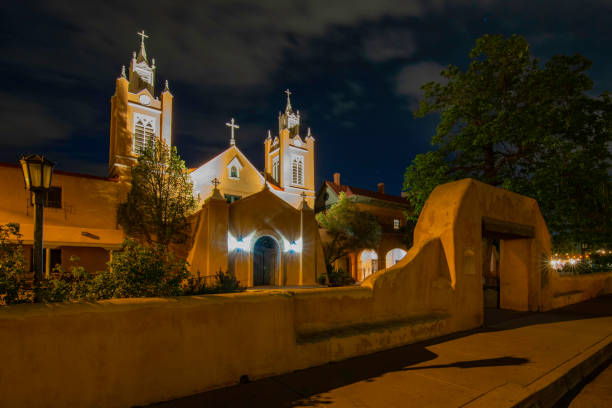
(265, 261)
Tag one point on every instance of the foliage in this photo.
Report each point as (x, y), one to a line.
(337, 277)
(12, 265)
(64, 285)
(513, 123)
(140, 271)
(349, 229)
(322, 279)
(224, 282)
(161, 197)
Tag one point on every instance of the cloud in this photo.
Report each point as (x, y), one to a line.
(389, 44)
(222, 42)
(410, 79)
(26, 124)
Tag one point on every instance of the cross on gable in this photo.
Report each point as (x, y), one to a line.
(215, 182)
(288, 92)
(232, 125)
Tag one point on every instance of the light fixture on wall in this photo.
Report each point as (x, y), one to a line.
(293, 246)
(239, 244)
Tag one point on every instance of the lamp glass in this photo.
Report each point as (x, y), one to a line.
(26, 172)
(47, 171)
(35, 170)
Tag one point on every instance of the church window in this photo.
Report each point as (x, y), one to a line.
(396, 224)
(234, 172)
(297, 170)
(231, 198)
(144, 132)
(275, 168)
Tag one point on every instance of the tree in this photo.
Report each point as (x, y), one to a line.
(348, 228)
(511, 122)
(161, 197)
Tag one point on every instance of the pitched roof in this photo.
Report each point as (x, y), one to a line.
(350, 191)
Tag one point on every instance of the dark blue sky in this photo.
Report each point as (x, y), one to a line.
(354, 67)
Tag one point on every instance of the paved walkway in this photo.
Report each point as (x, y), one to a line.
(513, 354)
(596, 393)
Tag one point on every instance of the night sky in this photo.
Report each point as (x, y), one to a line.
(354, 68)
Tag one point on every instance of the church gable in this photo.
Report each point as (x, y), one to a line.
(236, 175)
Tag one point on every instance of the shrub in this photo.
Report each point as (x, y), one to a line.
(339, 278)
(223, 282)
(140, 271)
(12, 265)
(322, 279)
(64, 285)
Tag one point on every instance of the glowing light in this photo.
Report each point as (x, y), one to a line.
(572, 261)
(240, 244)
(293, 246)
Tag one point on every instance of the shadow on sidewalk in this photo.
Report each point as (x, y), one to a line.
(303, 388)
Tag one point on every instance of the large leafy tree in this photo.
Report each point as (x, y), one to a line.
(161, 198)
(512, 122)
(348, 229)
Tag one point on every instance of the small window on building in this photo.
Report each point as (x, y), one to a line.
(396, 224)
(54, 197)
(234, 172)
(231, 198)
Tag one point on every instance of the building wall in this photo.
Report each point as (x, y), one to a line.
(86, 224)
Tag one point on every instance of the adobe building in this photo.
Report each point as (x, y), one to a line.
(390, 211)
(259, 225)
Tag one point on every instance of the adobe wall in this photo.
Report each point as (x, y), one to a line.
(119, 353)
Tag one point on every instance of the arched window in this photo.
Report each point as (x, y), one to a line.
(144, 132)
(275, 168)
(297, 170)
(234, 172)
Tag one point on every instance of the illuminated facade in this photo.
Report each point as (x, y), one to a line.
(258, 225)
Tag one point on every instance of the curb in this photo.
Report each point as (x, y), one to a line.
(547, 390)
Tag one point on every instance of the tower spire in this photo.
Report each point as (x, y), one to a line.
(288, 107)
(142, 54)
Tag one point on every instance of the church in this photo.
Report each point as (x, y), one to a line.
(258, 225)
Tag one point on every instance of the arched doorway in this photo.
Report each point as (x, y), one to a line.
(368, 263)
(394, 256)
(265, 261)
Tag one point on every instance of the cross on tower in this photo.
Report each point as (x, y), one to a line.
(142, 37)
(288, 107)
(215, 182)
(233, 126)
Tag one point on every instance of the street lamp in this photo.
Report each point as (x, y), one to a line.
(37, 171)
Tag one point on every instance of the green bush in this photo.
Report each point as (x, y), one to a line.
(64, 285)
(12, 265)
(338, 277)
(223, 282)
(322, 279)
(140, 271)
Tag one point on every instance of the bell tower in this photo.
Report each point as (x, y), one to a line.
(137, 116)
(289, 158)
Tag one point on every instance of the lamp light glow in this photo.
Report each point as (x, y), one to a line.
(293, 246)
(240, 244)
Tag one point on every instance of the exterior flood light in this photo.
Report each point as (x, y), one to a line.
(293, 246)
(240, 244)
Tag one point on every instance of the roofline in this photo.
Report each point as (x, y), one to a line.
(67, 173)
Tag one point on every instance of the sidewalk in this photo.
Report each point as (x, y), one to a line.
(515, 356)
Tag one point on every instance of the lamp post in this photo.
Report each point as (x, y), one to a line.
(37, 172)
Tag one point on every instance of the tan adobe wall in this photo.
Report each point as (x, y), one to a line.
(137, 351)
